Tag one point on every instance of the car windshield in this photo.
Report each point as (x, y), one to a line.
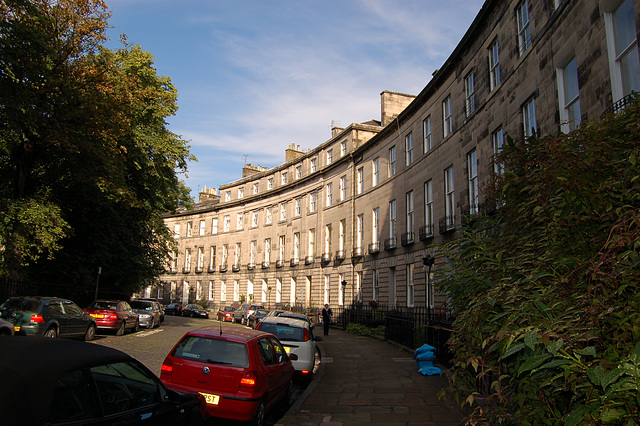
(284, 332)
(147, 306)
(262, 312)
(104, 304)
(21, 304)
(229, 309)
(213, 351)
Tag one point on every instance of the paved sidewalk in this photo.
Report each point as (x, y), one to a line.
(363, 380)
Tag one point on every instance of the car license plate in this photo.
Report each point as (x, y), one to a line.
(211, 399)
(16, 328)
(97, 315)
(287, 349)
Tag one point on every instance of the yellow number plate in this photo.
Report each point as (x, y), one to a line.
(211, 399)
(16, 328)
(97, 316)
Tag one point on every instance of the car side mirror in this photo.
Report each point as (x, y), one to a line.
(293, 357)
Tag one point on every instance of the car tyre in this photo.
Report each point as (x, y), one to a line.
(258, 419)
(120, 331)
(51, 332)
(90, 334)
(136, 327)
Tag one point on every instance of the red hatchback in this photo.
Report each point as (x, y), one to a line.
(115, 315)
(241, 372)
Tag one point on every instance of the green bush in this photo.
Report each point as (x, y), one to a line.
(363, 330)
(547, 288)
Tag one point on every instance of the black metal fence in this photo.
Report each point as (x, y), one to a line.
(409, 327)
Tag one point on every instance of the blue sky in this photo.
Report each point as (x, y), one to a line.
(254, 76)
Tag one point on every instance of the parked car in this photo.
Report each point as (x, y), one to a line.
(192, 310)
(289, 314)
(226, 313)
(6, 328)
(242, 372)
(148, 312)
(48, 317)
(242, 313)
(256, 317)
(297, 338)
(159, 306)
(83, 383)
(116, 315)
(173, 309)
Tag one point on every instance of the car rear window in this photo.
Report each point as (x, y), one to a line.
(147, 306)
(284, 332)
(104, 305)
(27, 305)
(213, 351)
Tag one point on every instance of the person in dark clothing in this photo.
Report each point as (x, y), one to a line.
(327, 314)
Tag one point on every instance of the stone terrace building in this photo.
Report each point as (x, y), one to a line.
(353, 218)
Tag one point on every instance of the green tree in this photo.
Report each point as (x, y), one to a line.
(547, 288)
(87, 162)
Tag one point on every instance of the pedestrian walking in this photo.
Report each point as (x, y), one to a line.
(327, 315)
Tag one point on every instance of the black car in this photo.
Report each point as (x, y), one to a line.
(82, 383)
(48, 317)
(256, 316)
(192, 310)
(173, 309)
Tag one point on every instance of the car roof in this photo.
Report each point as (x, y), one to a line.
(227, 332)
(297, 322)
(29, 376)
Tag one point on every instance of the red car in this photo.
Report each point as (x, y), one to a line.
(226, 313)
(116, 315)
(241, 372)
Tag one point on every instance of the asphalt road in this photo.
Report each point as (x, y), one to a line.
(151, 346)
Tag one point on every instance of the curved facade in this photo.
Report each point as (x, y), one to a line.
(353, 218)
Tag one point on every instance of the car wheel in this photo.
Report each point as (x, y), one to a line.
(51, 332)
(258, 420)
(136, 327)
(90, 334)
(120, 331)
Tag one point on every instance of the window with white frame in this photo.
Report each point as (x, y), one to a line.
(312, 243)
(314, 165)
(359, 286)
(529, 118)
(392, 219)
(173, 262)
(329, 157)
(268, 216)
(256, 188)
(176, 230)
(410, 214)
(200, 261)
(223, 291)
(426, 135)
(238, 257)
(494, 65)
(283, 212)
(376, 171)
(447, 122)
(254, 219)
(497, 140)
(470, 94)
(472, 171)
(250, 290)
(410, 287)
(524, 30)
(327, 289)
(392, 161)
(189, 229)
(569, 96)
(298, 172)
(313, 199)
(267, 250)
(375, 226)
(284, 176)
(360, 231)
(210, 292)
(278, 290)
(214, 225)
(428, 208)
(240, 192)
(408, 149)
(270, 183)
(236, 290)
(343, 188)
(327, 238)
(298, 207)
(227, 223)
(225, 255)
(622, 48)
(253, 251)
(212, 257)
(343, 148)
(227, 196)
(449, 199)
(329, 194)
(296, 245)
(376, 284)
(240, 221)
(282, 247)
(202, 225)
(360, 180)
(343, 234)
(340, 290)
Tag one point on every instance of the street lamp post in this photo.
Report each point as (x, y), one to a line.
(428, 261)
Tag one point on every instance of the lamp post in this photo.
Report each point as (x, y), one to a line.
(427, 261)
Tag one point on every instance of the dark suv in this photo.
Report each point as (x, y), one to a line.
(241, 314)
(48, 317)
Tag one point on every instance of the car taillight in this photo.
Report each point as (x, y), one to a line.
(304, 372)
(306, 335)
(111, 315)
(248, 379)
(36, 319)
(167, 367)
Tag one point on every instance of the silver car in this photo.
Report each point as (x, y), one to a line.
(148, 313)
